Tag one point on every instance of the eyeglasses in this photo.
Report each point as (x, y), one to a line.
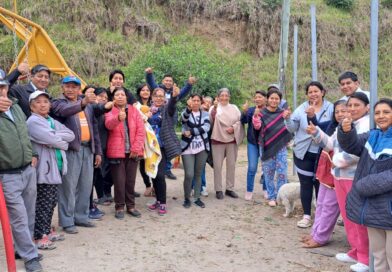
(159, 96)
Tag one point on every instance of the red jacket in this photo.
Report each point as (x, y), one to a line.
(116, 135)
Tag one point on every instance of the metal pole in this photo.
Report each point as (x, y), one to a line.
(295, 71)
(314, 41)
(284, 41)
(373, 58)
(373, 77)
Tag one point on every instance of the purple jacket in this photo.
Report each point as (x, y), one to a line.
(66, 112)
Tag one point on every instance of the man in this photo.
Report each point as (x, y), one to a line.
(167, 85)
(40, 79)
(349, 84)
(77, 114)
(18, 176)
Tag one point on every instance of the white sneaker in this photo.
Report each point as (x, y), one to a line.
(359, 267)
(304, 223)
(248, 196)
(343, 257)
(204, 191)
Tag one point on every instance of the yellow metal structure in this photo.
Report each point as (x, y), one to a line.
(41, 49)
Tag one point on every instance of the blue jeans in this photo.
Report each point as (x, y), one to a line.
(168, 166)
(277, 164)
(253, 160)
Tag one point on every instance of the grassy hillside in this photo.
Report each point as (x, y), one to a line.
(231, 43)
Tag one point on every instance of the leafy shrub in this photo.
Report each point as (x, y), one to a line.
(184, 56)
(387, 4)
(341, 4)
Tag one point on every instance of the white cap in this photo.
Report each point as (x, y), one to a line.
(35, 94)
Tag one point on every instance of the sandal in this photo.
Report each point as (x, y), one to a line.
(44, 243)
(312, 244)
(306, 238)
(53, 236)
(304, 223)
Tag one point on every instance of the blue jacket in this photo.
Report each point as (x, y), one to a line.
(183, 92)
(370, 200)
(246, 118)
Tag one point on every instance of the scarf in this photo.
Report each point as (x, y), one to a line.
(228, 116)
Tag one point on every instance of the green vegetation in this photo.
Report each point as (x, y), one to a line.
(341, 4)
(223, 43)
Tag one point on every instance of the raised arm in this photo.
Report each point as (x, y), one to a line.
(150, 78)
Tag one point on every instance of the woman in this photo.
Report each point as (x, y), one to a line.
(227, 134)
(163, 124)
(49, 138)
(327, 209)
(344, 169)
(143, 94)
(117, 80)
(369, 200)
(305, 150)
(252, 136)
(124, 150)
(273, 140)
(195, 147)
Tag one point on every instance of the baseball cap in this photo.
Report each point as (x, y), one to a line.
(3, 80)
(35, 94)
(38, 68)
(71, 79)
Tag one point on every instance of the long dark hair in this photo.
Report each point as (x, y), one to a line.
(139, 89)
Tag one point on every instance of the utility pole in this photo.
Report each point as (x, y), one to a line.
(295, 73)
(314, 41)
(373, 59)
(284, 41)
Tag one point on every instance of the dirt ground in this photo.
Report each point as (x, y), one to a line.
(228, 235)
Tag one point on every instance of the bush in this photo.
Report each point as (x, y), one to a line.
(184, 56)
(387, 4)
(341, 4)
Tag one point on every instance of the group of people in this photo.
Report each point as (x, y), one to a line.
(56, 150)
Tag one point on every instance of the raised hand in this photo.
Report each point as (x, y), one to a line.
(287, 113)
(310, 111)
(245, 107)
(90, 97)
(216, 101)
(148, 70)
(347, 123)
(189, 103)
(176, 90)
(311, 129)
(5, 103)
(192, 80)
(122, 114)
(23, 68)
(108, 105)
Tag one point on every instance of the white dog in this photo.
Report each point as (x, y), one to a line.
(290, 194)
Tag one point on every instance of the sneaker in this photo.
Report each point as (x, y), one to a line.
(170, 175)
(359, 267)
(153, 206)
(204, 191)
(102, 201)
(44, 243)
(187, 203)
(70, 230)
(99, 211)
(200, 203)
(94, 214)
(109, 197)
(18, 257)
(304, 223)
(33, 265)
(343, 257)
(162, 209)
(55, 236)
(248, 196)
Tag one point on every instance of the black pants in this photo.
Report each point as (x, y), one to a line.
(102, 181)
(47, 197)
(159, 181)
(146, 178)
(307, 179)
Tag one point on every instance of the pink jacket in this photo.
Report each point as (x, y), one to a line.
(116, 135)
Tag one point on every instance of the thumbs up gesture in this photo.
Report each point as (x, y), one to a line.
(122, 114)
(192, 80)
(311, 129)
(176, 90)
(245, 107)
(310, 111)
(347, 123)
(287, 113)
